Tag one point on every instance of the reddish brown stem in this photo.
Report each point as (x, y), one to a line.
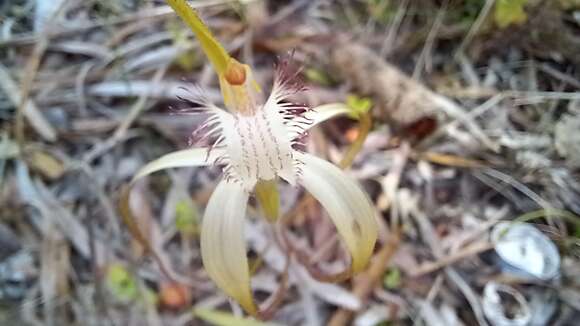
(369, 279)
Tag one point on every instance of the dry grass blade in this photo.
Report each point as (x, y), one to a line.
(137, 233)
(469, 251)
(30, 110)
(475, 27)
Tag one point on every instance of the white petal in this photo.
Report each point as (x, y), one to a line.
(223, 246)
(241, 154)
(183, 158)
(346, 203)
(258, 147)
(280, 147)
(325, 112)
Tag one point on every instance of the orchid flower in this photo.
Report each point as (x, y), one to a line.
(256, 144)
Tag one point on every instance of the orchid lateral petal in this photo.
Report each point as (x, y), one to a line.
(347, 205)
(183, 158)
(223, 246)
(325, 112)
(211, 47)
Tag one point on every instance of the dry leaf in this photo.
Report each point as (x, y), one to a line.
(46, 164)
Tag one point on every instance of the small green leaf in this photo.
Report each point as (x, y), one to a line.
(186, 217)
(190, 59)
(577, 231)
(178, 35)
(358, 105)
(121, 283)
(508, 12)
(216, 54)
(318, 77)
(151, 297)
(381, 11)
(220, 318)
(466, 13)
(392, 279)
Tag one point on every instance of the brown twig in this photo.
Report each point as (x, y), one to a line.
(469, 251)
(266, 313)
(314, 272)
(365, 125)
(370, 278)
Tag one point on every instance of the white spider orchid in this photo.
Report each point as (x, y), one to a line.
(255, 144)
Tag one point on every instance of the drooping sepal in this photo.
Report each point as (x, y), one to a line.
(223, 246)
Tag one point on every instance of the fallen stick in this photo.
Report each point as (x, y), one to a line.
(471, 250)
(367, 281)
(400, 100)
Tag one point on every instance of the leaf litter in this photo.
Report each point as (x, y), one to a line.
(484, 135)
